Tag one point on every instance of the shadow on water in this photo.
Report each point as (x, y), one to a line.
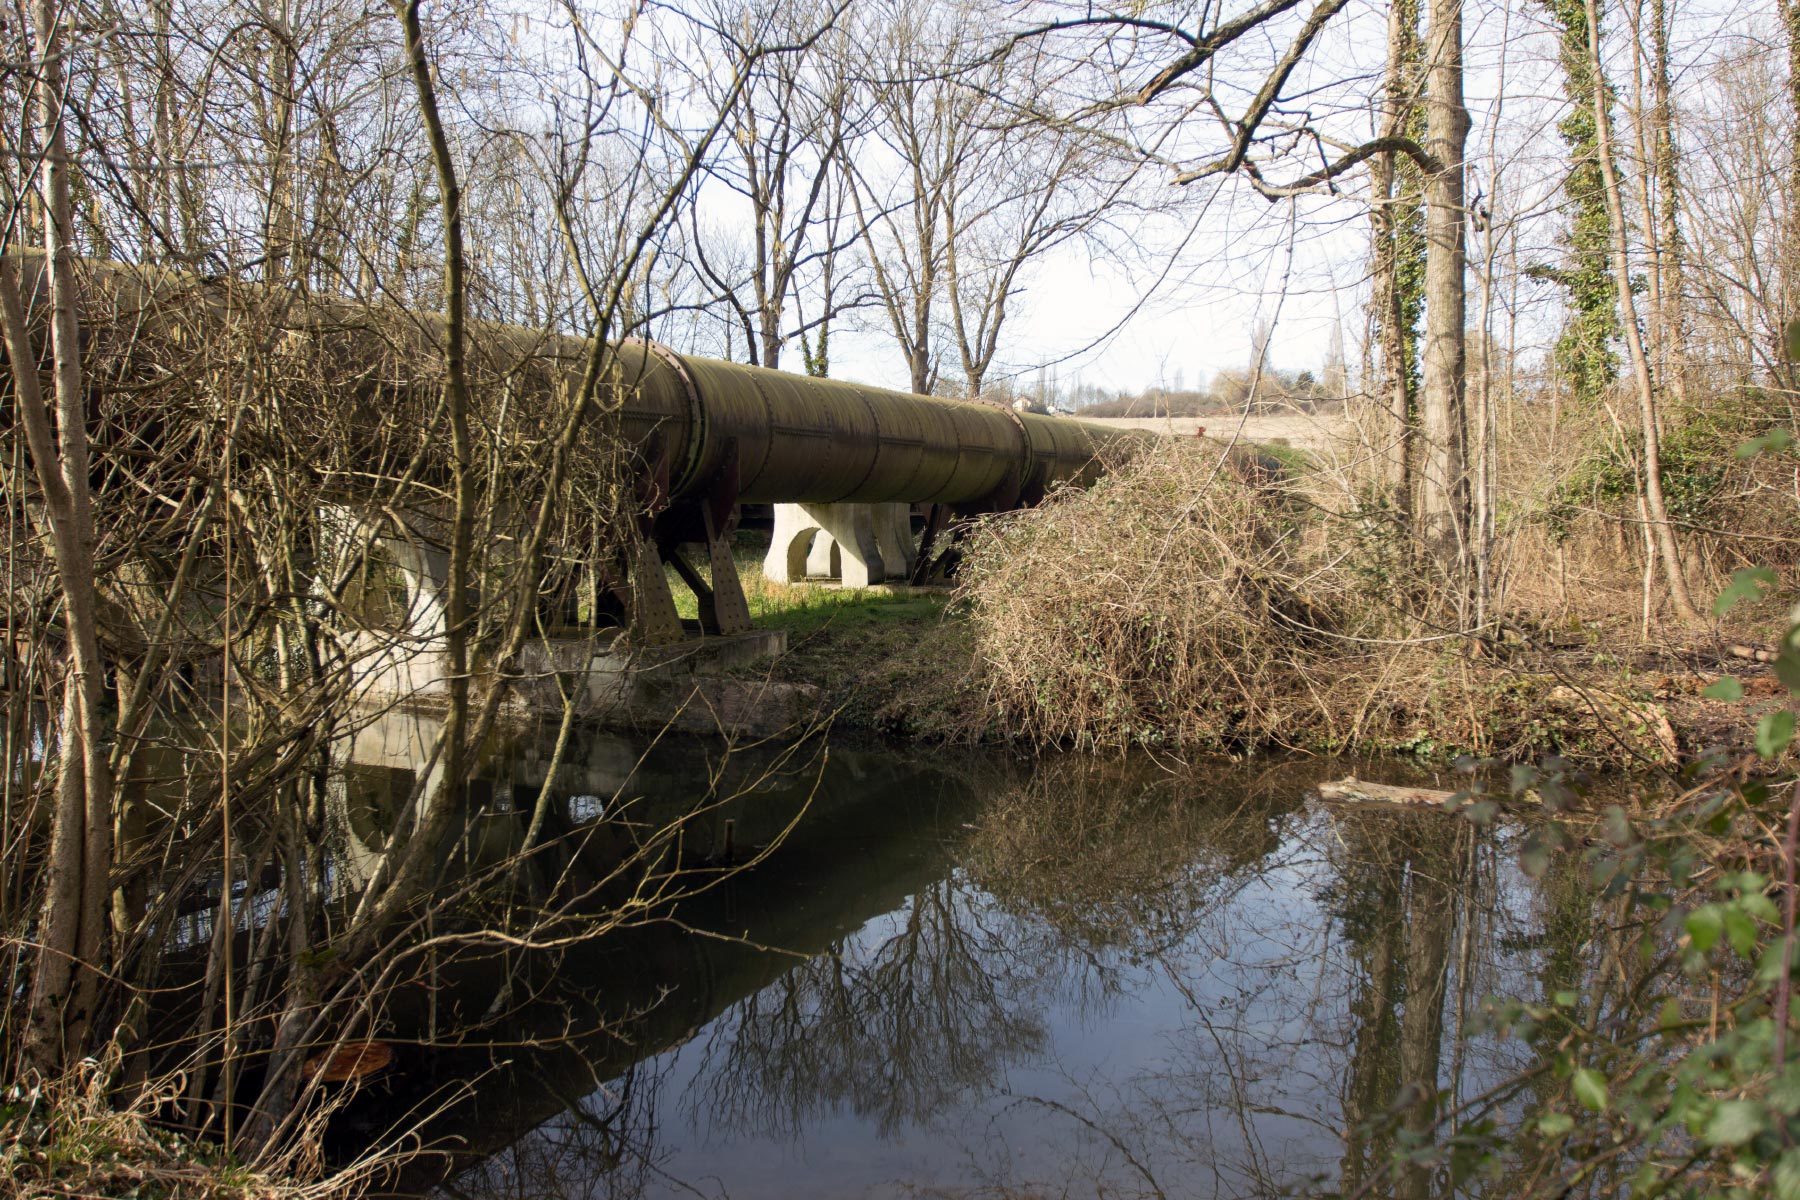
(965, 975)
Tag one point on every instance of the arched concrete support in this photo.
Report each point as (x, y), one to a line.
(846, 541)
(423, 565)
(426, 571)
(795, 530)
(407, 657)
(852, 527)
(893, 531)
(873, 542)
(824, 560)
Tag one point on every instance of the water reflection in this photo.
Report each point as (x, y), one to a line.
(890, 1027)
(1064, 978)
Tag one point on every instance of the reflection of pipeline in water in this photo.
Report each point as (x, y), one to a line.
(589, 1012)
(603, 776)
(610, 797)
(934, 953)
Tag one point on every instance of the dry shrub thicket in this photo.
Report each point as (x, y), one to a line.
(1186, 598)
(1571, 539)
(1218, 599)
(71, 1139)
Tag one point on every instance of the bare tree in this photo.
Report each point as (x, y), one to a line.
(928, 125)
(793, 124)
(1028, 189)
(74, 931)
(1161, 63)
(1656, 507)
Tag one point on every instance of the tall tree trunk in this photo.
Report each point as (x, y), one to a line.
(1394, 219)
(1444, 491)
(65, 981)
(387, 894)
(918, 362)
(1789, 267)
(1662, 531)
(1666, 163)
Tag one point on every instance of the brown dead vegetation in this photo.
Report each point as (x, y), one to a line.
(1198, 598)
(71, 1138)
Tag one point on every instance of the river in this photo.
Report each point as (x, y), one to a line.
(965, 974)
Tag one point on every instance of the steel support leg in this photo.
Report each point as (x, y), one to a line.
(730, 608)
(654, 621)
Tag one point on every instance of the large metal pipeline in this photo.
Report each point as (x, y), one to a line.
(704, 435)
(787, 438)
(708, 435)
(800, 439)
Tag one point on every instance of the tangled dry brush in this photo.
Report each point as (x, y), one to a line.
(1182, 599)
(1207, 599)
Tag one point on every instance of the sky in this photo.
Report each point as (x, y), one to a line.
(1087, 317)
(1235, 268)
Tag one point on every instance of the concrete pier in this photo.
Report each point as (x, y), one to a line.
(608, 675)
(858, 544)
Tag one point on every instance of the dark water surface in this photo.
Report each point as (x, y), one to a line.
(975, 975)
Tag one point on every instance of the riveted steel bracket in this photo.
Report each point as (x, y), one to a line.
(730, 608)
(654, 621)
(653, 618)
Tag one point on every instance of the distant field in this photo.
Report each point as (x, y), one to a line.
(1307, 432)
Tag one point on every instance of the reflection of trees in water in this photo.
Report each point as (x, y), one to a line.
(895, 1024)
(1321, 1023)
(1116, 854)
(1320, 964)
(603, 1145)
(1088, 865)
(1403, 882)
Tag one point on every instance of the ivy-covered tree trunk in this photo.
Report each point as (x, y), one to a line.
(1670, 250)
(1397, 259)
(1444, 481)
(1584, 352)
(1790, 258)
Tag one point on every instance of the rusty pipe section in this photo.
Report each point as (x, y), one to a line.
(799, 439)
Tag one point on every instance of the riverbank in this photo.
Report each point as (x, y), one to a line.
(905, 663)
(70, 1140)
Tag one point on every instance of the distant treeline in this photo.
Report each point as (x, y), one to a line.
(1228, 392)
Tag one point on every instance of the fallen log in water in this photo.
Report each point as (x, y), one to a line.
(1351, 790)
(1358, 791)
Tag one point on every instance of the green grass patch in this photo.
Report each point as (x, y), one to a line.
(803, 608)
